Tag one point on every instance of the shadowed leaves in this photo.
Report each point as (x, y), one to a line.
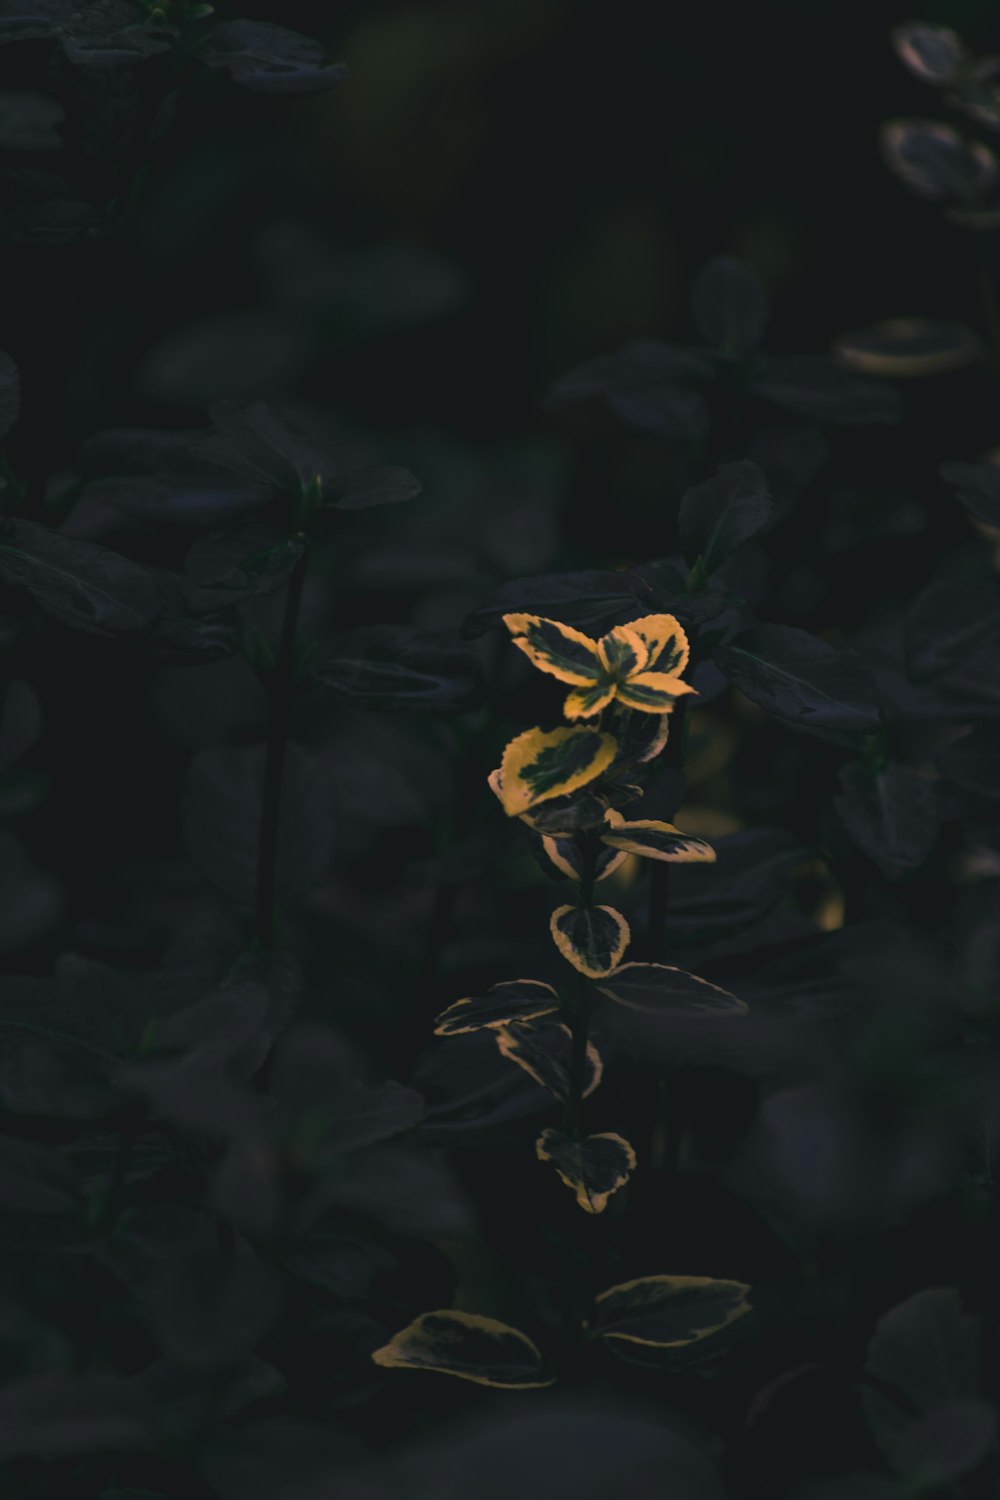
(923, 1402)
(978, 488)
(221, 815)
(512, 1000)
(271, 59)
(592, 938)
(543, 1049)
(891, 815)
(729, 306)
(802, 680)
(82, 584)
(394, 666)
(469, 1347)
(662, 990)
(718, 516)
(561, 857)
(813, 386)
(668, 1312)
(594, 1167)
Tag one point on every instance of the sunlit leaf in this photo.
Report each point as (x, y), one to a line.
(666, 643)
(513, 1000)
(652, 692)
(662, 990)
(655, 840)
(541, 764)
(557, 649)
(592, 938)
(468, 1346)
(594, 1167)
(668, 1312)
(544, 1050)
(622, 652)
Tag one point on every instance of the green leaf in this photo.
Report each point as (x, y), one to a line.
(468, 1346)
(594, 1167)
(668, 1312)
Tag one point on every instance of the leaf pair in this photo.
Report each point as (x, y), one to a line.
(658, 1312)
(638, 665)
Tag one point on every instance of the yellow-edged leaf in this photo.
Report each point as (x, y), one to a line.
(564, 853)
(585, 702)
(544, 1050)
(556, 649)
(668, 1312)
(652, 692)
(540, 764)
(622, 652)
(666, 643)
(468, 1346)
(594, 1167)
(512, 1000)
(641, 737)
(655, 840)
(592, 938)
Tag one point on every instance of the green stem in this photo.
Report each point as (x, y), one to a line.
(282, 696)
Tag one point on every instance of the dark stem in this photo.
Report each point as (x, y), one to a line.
(579, 1027)
(659, 882)
(282, 696)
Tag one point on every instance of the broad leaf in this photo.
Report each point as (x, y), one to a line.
(720, 515)
(668, 1312)
(934, 54)
(559, 650)
(812, 386)
(540, 764)
(655, 840)
(592, 938)
(973, 761)
(891, 815)
(802, 680)
(395, 666)
(594, 1167)
(729, 306)
(85, 585)
(662, 990)
(544, 1049)
(469, 1347)
(513, 1000)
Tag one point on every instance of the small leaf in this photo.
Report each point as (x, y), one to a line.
(729, 306)
(544, 1049)
(935, 162)
(513, 1000)
(560, 650)
(906, 348)
(539, 765)
(662, 990)
(802, 680)
(594, 1167)
(934, 54)
(892, 816)
(668, 1312)
(720, 515)
(468, 1346)
(654, 840)
(592, 938)
(271, 59)
(82, 584)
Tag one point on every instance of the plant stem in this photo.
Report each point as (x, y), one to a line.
(282, 694)
(579, 1027)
